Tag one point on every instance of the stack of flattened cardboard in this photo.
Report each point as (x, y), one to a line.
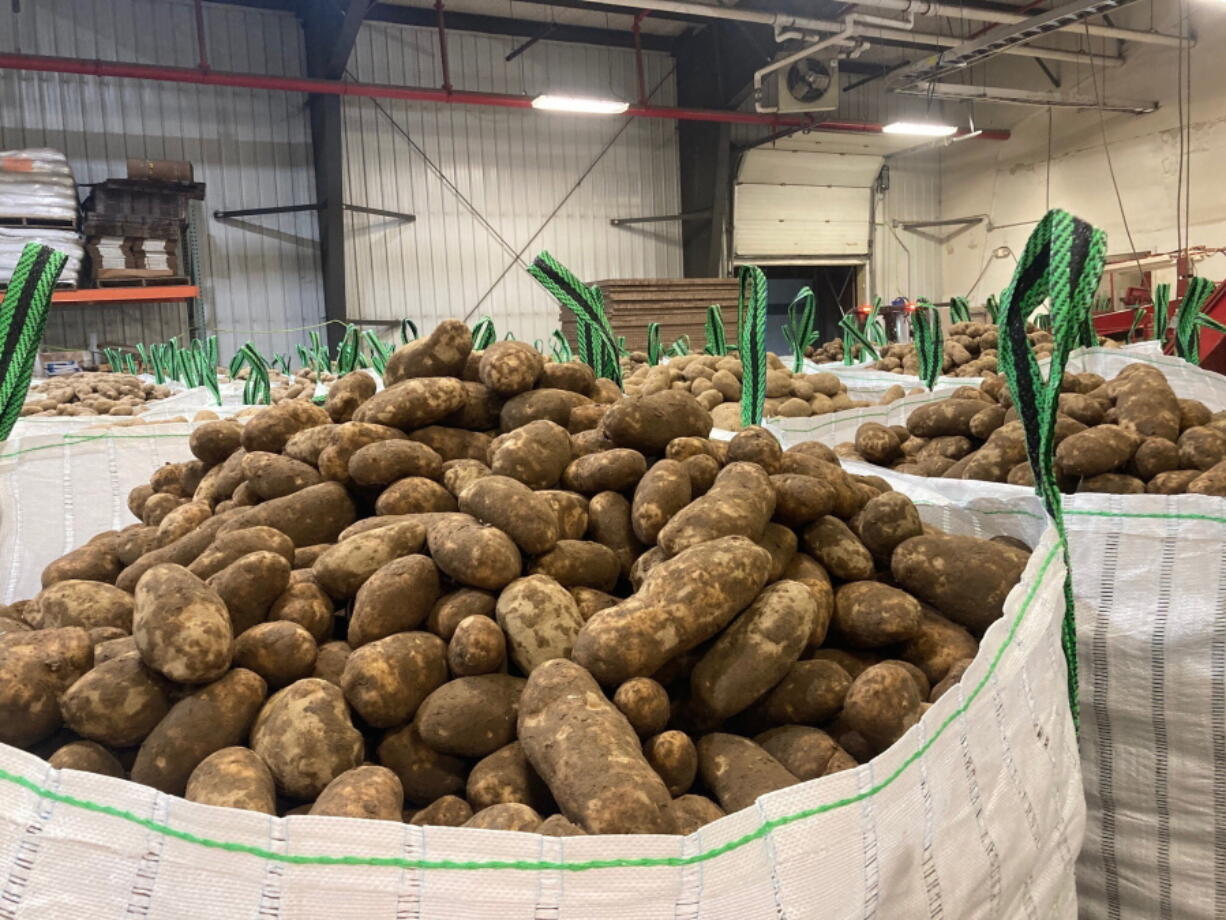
(679, 305)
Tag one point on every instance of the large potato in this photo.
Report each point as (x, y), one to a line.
(315, 515)
(506, 777)
(474, 554)
(307, 605)
(938, 645)
(271, 428)
(35, 669)
(230, 547)
(234, 777)
(887, 520)
(442, 353)
(610, 526)
(802, 499)
(449, 811)
(552, 404)
(249, 586)
(181, 625)
(691, 812)
(740, 503)
(882, 703)
(412, 404)
(213, 442)
(471, 716)
(540, 619)
(588, 755)
(662, 491)
(677, 607)
(580, 562)
(1144, 403)
(454, 607)
(425, 774)
(515, 509)
(739, 771)
(363, 792)
(805, 752)
(840, 552)
(88, 604)
(536, 454)
(305, 736)
(478, 646)
(280, 652)
(645, 705)
(868, 614)
(414, 495)
(648, 423)
(1095, 450)
(965, 578)
(481, 409)
(117, 703)
(386, 680)
(396, 598)
(384, 462)
(88, 757)
(512, 367)
(346, 394)
(613, 470)
(673, 756)
(214, 717)
(812, 691)
(755, 651)
(454, 443)
(810, 573)
(343, 568)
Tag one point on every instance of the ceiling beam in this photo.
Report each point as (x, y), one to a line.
(518, 28)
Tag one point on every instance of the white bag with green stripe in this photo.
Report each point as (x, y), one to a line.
(1149, 585)
(975, 812)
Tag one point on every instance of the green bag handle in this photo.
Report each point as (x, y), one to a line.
(23, 317)
(484, 334)
(1189, 320)
(959, 310)
(853, 335)
(655, 348)
(597, 345)
(751, 343)
(717, 338)
(992, 305)
(929, 342)
(1162, 310)
(798, 329)
(1062, 263)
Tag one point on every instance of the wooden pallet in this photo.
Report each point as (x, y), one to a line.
(160, 281)
(39, 223)
(678, 305)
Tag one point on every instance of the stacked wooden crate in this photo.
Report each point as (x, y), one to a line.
(679, 305)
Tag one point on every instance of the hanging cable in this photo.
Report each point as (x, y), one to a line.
(1102, 126)
(1047, 192)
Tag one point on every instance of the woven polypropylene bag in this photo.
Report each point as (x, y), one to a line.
(975, 812)
(1149, 581)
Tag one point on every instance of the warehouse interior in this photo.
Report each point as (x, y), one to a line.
(1104, 111)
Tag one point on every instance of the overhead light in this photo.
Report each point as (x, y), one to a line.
(919, 128)
(582, 104)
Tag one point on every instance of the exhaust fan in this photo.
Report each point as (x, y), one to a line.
(809, 85)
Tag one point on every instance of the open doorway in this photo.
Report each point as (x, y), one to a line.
(836, 288)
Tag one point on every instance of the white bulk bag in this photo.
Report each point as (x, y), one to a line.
(976, 812)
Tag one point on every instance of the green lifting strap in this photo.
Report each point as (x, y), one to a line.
(929, 342)
(23, 317)
(751, 343)
(597, 346)
(1062, 264)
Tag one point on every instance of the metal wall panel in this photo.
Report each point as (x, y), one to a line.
(491, 187)
(907, 263)
(252, 149)
(806, 221)
(797, 167)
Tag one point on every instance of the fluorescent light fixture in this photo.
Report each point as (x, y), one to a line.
(582, 104)
(919, 128)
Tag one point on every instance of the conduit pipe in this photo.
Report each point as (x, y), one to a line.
(784, 21)
(759, 75)
(93, 68)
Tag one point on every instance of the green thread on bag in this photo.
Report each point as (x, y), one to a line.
(761, 831)
(1062, 265)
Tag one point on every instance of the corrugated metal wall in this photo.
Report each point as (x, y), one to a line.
(907, 263)
(506, 173)
(251, 148)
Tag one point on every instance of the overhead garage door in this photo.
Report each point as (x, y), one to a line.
(803, 207)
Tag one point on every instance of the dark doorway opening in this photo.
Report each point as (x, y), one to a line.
(834, 287)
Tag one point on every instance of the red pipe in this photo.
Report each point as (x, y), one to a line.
(94, 68)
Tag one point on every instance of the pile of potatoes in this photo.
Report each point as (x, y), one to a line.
(497, 594)
(91, 393)
(970, 351)
(716, 383)
(1127, 435)
(826, 352)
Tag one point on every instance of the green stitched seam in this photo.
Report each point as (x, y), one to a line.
(543, 865)
(1155, 515)
(73, 439)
